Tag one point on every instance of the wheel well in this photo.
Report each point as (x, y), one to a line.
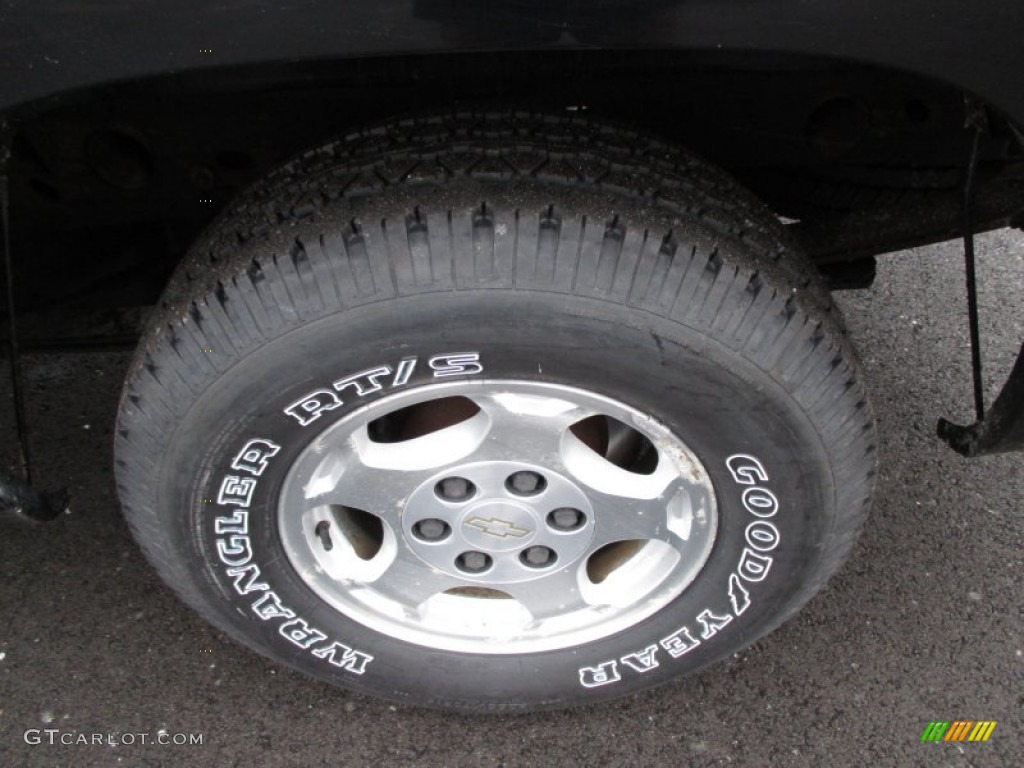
(110, 185)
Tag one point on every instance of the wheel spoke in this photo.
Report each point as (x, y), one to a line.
(526, 427)
(623, 518)
(343, 480)
(662, 505)
(674, 516)
(378, 477)
(551, 595)
(409, 582)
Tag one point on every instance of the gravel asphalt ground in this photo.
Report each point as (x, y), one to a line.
(923, 623)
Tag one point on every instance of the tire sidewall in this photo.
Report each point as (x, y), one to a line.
(720, 405)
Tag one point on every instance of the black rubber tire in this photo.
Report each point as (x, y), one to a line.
(558, 250)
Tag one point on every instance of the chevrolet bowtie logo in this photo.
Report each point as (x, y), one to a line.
(500, 528)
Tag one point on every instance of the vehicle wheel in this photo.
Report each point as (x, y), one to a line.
(495, 412)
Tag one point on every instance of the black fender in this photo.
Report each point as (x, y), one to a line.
(51, 47)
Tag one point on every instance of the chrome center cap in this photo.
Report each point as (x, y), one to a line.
(484, 529)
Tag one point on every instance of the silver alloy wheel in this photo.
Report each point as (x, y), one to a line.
(537, 517)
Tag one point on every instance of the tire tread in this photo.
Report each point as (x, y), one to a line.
(257, 273)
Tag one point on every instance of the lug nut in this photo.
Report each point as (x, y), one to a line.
(473, 562)
(455, 489)
(537, 556)
(431, 529)
(566, 519)
(525, 483)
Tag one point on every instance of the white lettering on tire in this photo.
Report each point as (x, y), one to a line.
(255, 457)
(269, 606)
(746, 470)
(237, 523)
(245, 579)
(679, 642)
(762, 536)
(760, 502)
(603, 674)
(365, 382)
(404, 371)
(236, 490)
(462, 364)
(311, 406)
(299, 632)
(753, 566)
(234, 551)
(642, 661)
(710, 623)
(340, 655)
(739, 597)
